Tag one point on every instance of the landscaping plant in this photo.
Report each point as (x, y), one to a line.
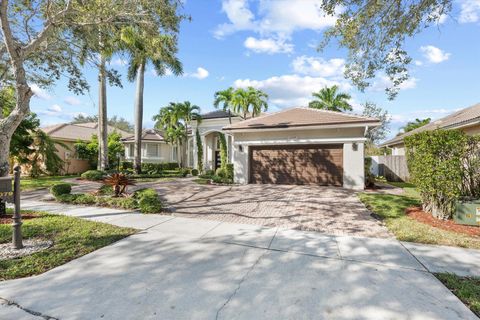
(199, 151)
(444, 165)
(93, 175)
(119, 183)
(61, 188)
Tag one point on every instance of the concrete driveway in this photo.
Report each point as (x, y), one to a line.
(329, 210)
(180, 268)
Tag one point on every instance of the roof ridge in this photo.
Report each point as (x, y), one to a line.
(338, 113)
(265, 115)
(58, 127)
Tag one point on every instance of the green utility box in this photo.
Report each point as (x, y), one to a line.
(467, 212)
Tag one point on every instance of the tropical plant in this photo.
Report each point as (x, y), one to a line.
(88, 150)
(119, 183)
(329, 98)
(412, 125)
(249, 100)
(199, 151)
(224, 98)
(45, 158)
(223, 151)
(148, 45)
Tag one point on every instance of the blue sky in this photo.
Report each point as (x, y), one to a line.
(270, 44)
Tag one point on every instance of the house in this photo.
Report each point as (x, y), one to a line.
(68, 134)
(300, 146)
(292, 146)
(466, 120)
(154, 148)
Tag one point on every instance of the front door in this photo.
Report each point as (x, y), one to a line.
(217, 160)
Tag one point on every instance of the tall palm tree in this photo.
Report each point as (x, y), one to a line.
(145, 47)
(224, 97)
(258, 101)
(329, 98)
(188, 113)
(169, 120)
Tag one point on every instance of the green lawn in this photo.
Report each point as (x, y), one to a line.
(465, 288)
(391, 208)
(27, 183)
(72, 238)
(409, 189)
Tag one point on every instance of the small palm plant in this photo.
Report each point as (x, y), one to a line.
(119, 183)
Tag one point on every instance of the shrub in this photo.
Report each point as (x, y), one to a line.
(126, 165)
(148, 201)
(445, 167)
(184, 172)
(129, 203)
(93, 175)
(119, 183)
(222, 180)
(221, 172)
(194, 172)
(369, 177)
(199, 151)
(229, 169)
(60, 189)
(158, 168)
(209, 173)
(66, 198)
(84, 199)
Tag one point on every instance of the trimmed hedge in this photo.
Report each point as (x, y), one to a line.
(146, 200)
(151, 168)
(445, 167)
(194, 172)
(61, 188)
(93, 175)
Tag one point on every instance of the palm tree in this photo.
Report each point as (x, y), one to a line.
(188, 113)
(258, 101)
(224, 97)
(143, 47)
(169, 120)
(329, 98)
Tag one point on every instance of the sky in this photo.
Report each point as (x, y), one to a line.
(271, 45)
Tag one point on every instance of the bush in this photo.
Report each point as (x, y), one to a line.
(221, 172)
(126, 165)
(66, 198)
(60, 189)
(84, 199)
(369, 177)
(129, 203)
(148, 201)
(158, 168)
(445, 167)
(93, 175)
(230, 173)
(194, 172)
(184, 172)
(221, 180)
(210, 173)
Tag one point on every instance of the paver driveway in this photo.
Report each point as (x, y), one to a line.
(315, 208)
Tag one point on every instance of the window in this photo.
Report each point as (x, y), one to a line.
(152, 150)
(131, 150)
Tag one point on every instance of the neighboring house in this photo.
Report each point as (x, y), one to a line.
(154, 148)
(69, 134)
(466, 120)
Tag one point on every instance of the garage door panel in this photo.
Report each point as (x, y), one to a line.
(319, 164)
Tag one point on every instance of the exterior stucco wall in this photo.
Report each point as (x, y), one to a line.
(398, 150)
(165, 152)
(473, 130)
(353, 166)
(351, 138)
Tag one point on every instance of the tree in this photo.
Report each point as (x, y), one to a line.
(224, 98)
(45, 158)
(329, 98)
(374, 34)
(115, 121)
(249, 100)
(39, 44)
(88, 150)
(375, 135)
(149, 45)
(412, 125)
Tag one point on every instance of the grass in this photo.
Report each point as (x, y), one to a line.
(27, 183)
(466, 289)
(72, 238)
(409, 189)
(391, 208)
(154, 179)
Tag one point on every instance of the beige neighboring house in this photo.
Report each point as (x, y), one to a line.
(69, 134)
(154, 147)
(466, 120)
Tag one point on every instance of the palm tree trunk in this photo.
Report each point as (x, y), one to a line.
(102, 117)
(137, 161)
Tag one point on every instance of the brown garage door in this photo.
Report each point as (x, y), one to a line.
(312, 164)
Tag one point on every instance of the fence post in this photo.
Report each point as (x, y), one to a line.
(17, 217)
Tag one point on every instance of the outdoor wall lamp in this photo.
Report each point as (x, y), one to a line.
(354, 146)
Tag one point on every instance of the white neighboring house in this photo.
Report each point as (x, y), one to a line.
(154, 148)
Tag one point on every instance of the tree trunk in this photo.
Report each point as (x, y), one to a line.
(137, 162)
(102, 117)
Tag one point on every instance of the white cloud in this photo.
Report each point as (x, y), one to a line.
(268, 45)
(73, 101)
(469, 11)
(55, 108)
(201, 73)
(278, 18)
(382, 82)
(314, 66)
(290, 90)
(40, 93)
(418, 63)
(434, 54)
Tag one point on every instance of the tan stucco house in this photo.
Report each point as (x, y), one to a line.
(154, 148)
(69, 134)
(466, 120)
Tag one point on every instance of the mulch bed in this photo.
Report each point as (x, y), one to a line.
(7, 219)
(418, 214)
